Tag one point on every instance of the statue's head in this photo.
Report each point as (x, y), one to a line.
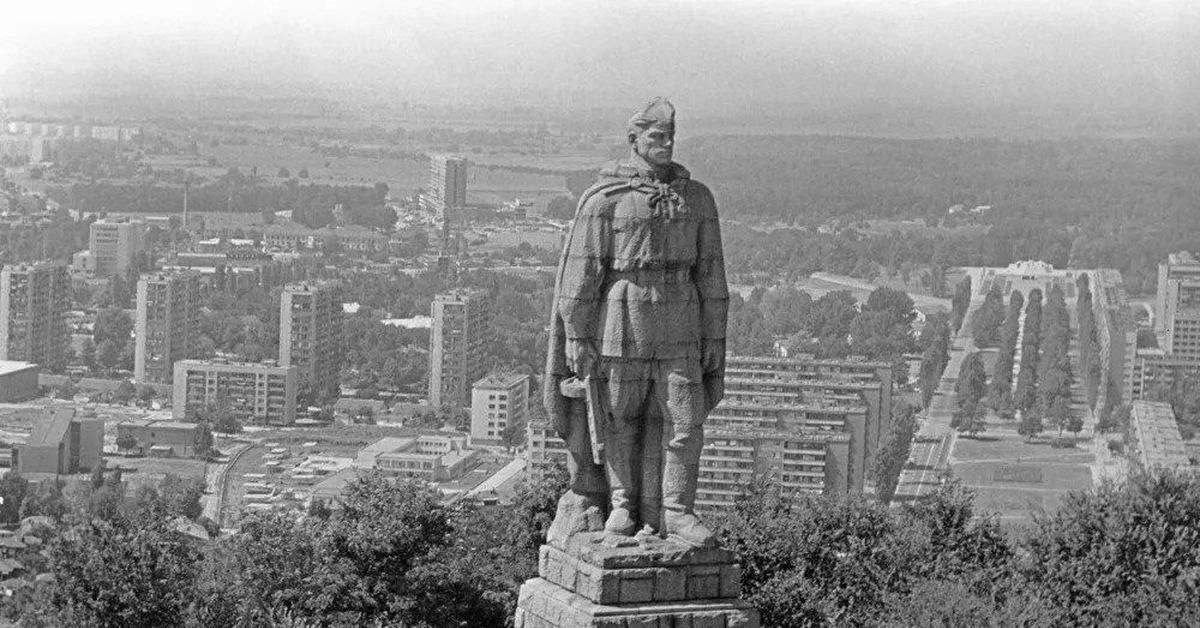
(652, 132)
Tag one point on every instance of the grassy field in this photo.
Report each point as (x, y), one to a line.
(1017, 480)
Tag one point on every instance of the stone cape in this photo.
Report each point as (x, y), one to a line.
(594, 580)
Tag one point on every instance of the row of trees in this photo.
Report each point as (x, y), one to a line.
(1025, 392)
(1000, 388)
(1089, 348)
(311, 204)
(960, 303)
(894, 448)
(1047, 398)
(934, 342)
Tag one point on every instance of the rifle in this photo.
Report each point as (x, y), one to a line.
(588, 389)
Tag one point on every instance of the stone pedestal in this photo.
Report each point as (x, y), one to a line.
(594, 581)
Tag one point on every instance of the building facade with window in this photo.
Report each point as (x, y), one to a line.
(498, 401)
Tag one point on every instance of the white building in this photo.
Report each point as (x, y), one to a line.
(498, 401)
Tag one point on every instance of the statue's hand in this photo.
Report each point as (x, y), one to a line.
(712, 354)
(582, 357)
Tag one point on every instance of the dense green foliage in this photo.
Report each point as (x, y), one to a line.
(1025, 394)
(390, 553)
(986, 321)
(1089, 349)
(1121, 555)
(935, 344)
(1000, 386)
(1055, 374)
(893, 450)
(969, 390)
(1090, 203)
(960, 303)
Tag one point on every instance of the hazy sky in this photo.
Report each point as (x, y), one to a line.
(718, 55)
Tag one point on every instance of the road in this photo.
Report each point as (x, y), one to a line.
(506, 473)
(217, 481)
(935, 438)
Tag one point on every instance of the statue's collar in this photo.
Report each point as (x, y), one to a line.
(634, 167)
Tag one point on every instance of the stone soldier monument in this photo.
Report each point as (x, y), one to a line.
(636, 362)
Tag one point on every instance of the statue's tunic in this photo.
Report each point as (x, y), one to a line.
(644, 274)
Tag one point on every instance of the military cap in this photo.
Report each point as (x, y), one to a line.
(657, 112)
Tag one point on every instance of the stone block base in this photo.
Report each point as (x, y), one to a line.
(543, 604)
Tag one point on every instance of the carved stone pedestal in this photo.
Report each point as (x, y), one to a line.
(602, 582)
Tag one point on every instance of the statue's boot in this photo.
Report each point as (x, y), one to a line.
(619, 468)
(680, 522)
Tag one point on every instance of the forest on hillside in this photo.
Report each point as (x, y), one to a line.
(1085, 203)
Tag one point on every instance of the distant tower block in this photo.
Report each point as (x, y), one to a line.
(447, 195)
(167, 325)
(310, 330)
(34, 299)
(460, 331)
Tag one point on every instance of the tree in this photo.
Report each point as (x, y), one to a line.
(125, 442)
(124, 393)
(1114, 419)
(985, 323)
(960, 303)
(513, 435)
(972, 381)
(970, 419)
(125, 574)
(13, 489)
(67, 390)
(1119, 555)
(88, 354)
(1031, 423)
(303, 173)
(283, 173)
(46, 499)
(892, 453)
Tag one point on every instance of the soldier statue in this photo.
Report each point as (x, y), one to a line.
(637, 343)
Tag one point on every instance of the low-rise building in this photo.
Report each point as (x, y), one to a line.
(18, 381)
(1155, 436)
(544, 449)
(255, 392)
(61, 443)
(808, 461)
(498, 401)
(432, 457)
(166, 438)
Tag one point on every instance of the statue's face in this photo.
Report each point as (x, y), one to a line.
(655, 144)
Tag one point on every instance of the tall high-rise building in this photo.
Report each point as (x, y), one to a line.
(34, 299)
(461, 327)
(1177, 306)
(310, 330)
(115, 244)
(168, 321)
(447, 193)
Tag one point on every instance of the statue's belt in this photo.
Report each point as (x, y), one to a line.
(652, 275)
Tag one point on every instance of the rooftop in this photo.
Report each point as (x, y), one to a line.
(52, 428)
(12, 366)
(1159, 443)
(501, 381)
